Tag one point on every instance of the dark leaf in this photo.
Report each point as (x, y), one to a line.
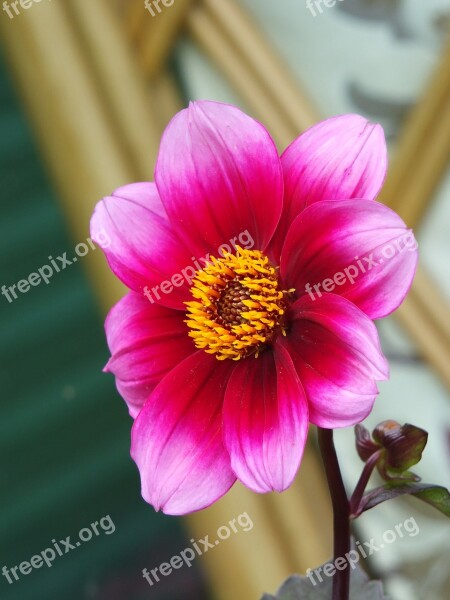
(302, 588)
(436, 496)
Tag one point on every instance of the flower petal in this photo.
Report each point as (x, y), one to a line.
(361, 250)
(341, 158)
(265, 421)
(135, 234)
(219, 175)
(337, 354)
(177, 438)
(146, 341)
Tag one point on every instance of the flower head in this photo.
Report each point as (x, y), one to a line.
(253, 283)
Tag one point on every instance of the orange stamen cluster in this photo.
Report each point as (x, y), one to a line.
(238, 305)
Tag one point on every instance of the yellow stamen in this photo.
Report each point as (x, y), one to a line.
(238, 305)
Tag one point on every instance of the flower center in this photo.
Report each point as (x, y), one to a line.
(238, 306)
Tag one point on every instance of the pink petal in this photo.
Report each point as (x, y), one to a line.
(341, 158)
(141, 247)
(177, 438)
(219, 175)
(361, 250)
(265, 421)
(146, 342)
(337, 354)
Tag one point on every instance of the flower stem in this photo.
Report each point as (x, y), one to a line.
(356, 498)
(341, 511)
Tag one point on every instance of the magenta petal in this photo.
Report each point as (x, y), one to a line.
(337, 354)
(361, 250)
(146, 341)
(134, 232)
(219, 175)
(265, 421)
(177, 438)
(341, 158)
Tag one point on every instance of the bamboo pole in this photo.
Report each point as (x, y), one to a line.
(421, 329)
(420, 162)
(211, 38)
(134, 16)
(411, 181)
(247, 564)
(165, 99)
(119, 81)
(291, 534)
(425, 176)
(307, 540)
(78, 140)
(229, 36)
(433, 303)
(279, 83)
(159, 33)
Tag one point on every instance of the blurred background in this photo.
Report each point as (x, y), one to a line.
(86, 89)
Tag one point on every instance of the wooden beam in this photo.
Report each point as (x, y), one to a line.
(423, 149)
(165, 99)
(77, 138)
(280, 85)
(291, 534)
(211, 38)
(421, 328)
(119, 82)
(159, 34)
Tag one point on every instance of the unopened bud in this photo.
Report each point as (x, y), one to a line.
(403, 444)
(399, 447)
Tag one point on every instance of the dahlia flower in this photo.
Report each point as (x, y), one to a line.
(224, 364)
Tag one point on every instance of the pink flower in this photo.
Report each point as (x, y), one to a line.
(223, 370)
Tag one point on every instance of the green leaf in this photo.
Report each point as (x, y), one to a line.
(302, 588)
(436, 496)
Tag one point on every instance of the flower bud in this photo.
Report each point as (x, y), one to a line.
(403, 444)
(399, 447)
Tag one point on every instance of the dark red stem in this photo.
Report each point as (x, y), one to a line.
(362, 484)
(341, 511)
